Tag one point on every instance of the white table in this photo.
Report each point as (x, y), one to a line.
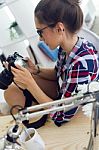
(70, 136)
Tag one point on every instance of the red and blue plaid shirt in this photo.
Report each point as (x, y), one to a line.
(81, 67)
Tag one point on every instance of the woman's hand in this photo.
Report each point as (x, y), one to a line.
(22, 76)
(31, 67)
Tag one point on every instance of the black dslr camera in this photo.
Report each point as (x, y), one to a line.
(6, 76)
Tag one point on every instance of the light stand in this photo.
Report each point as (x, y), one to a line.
(10, 139)
(65, 104)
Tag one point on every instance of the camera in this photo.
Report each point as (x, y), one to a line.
(6, 76)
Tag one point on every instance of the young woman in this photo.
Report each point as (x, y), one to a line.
(57, 23)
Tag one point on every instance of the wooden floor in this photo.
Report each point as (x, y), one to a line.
(71, 136)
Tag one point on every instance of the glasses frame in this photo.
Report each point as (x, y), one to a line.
(40, 31)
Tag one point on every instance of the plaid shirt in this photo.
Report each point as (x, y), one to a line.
(80, 67)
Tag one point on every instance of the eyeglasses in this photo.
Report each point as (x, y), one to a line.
(40, 31)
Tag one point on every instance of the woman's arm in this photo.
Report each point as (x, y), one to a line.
(24, 79)
(47, 73)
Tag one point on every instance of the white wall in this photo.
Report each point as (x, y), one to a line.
(96, 4)
(17, 47)
(4, 31)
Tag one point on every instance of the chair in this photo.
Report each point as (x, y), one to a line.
(90, 36)
(52, 54)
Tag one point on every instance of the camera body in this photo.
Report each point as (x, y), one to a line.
(6, 76)
(16, 59)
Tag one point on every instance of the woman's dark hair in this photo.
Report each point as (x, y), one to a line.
(65, 11)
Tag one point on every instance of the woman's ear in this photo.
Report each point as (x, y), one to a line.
(60, 27)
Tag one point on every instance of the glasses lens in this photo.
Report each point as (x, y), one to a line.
(39, 32)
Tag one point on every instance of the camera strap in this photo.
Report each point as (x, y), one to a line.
(37, 124)
(40, 121)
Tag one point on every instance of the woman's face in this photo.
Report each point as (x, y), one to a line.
(48, 34)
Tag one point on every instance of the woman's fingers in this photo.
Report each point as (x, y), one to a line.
(20, 72)
(21, 75)
(17, 69)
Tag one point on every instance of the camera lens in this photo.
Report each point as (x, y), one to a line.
(6, 78)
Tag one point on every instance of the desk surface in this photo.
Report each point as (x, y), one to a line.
(70, 136)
